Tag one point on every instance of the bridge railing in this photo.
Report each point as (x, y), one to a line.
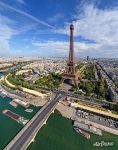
(28, 124)
(26, 144)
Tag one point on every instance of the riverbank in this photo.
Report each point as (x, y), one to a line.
(33, 92)
(67, 111)
(95, 110)
(70, 112)
(59, 134)
(8, 127)
(26, 97)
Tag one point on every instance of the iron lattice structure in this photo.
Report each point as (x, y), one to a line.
(70, 71)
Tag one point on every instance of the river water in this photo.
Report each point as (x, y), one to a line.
(8, 127)
(58, 134)
(1, 74)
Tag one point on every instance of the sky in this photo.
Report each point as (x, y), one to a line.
(41, 28)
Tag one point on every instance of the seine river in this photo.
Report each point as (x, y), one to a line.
(58, 134)
(8, 127)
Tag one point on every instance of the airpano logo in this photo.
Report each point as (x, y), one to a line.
(103, 143)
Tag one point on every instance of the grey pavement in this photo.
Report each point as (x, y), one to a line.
(100, 119)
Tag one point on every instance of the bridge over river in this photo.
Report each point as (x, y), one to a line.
(22, 140)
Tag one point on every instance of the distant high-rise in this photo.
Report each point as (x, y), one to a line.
(87, 57)
(70, 72)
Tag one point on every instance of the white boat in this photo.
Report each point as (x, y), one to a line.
(2, 94)
(23, 121)
(29, 110)
(82, 132)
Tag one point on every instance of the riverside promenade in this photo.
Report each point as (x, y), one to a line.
(12, 94)
(36, 93)
(22, 140)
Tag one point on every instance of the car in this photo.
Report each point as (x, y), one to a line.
(100, 118)
(91, 114)
(116, 125)
(78, 113)
(105, 119)
(86, 117)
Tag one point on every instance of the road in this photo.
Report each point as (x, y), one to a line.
(27, 133)
(86, 99)
(82, 98)
(99, 119)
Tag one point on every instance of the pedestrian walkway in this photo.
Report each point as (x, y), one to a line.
(109, 114)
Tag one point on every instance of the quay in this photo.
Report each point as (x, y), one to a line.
(15, 116)
(11, 114)
(82, 132)
(12, 103)
(108, 114)
(22, 140)
(22, 103)
(17, 98)
(87, 127)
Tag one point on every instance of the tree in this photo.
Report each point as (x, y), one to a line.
(101, 88)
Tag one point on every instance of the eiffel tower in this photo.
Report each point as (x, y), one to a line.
(70, 71)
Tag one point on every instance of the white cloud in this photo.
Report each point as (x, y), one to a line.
(6, 32)
(60, 48)
(25, 14)
(100, 26)
(50, 48)
(8, 29)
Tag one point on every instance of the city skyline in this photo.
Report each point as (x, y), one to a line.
(41, 28)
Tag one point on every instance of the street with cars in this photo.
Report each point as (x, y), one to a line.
(98, 118)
